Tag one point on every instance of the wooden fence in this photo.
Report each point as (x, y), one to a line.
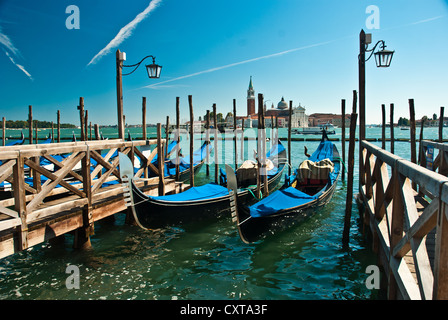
(406, 209)
(76, 176)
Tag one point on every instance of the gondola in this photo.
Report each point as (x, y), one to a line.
(17, 142)
(194, 204)
(293, 202)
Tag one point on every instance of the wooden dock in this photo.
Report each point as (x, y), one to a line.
(79, 185)
(405, 207)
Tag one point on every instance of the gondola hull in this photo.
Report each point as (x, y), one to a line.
(253, 229)
(153, 213)
(283, 208)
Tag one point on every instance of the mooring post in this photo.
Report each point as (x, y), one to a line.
(207, 141)
(383, 129)
(81, 117)
(30, 124)
(59, 125)
(160, 160)
(4, 131)
(350, 165)
(343, 137)
(144, 118)
(235, 134)
(392, 139)
(167, 135)
(263, 154)
(242, 140)
(215, 141)
(190, 103)
(178, 139)
(289, 137)
(442, 109)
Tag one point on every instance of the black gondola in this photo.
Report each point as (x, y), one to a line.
(195, 203)
(292, 202)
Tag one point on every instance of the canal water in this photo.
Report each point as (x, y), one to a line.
(207, 260)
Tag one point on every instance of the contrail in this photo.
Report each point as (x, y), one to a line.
(241, 62)
(18, 65)
(7, 43)
(126, 31)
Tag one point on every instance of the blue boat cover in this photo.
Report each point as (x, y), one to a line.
(207, 191)
(184, 163)
(275, 150)
(279, 200)
(324, 151)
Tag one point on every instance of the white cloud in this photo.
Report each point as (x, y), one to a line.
(19, 65)
(158, 85)
(126, 31)
(7, 43)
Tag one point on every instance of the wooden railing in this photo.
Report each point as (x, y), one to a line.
(406, 209)
(78, 173)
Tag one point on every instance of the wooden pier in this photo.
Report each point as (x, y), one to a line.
(79, 185)
(405, 207)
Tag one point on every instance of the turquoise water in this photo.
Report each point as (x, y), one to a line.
(207, 260)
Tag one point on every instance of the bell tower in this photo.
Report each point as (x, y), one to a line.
(250, 99)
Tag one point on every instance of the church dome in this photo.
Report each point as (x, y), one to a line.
(282, 104)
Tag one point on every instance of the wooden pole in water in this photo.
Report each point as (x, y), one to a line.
(4, 131)
(30, 124)
(383, 129)
(343, 137)
(442, 109)
(242, 140)
(35, 132)
(160, 160)
(167, 135)
(178, 139)
(215, 140)
(289, 137)
(97, 131)
(190, 102)
(81, 116)
(144, 118)
(263, 154)
(235, 134)
(207, 140)
(412, 131)
(259, 138)
(392, 139)
(350, 165)
(86, 125)
(59, 125)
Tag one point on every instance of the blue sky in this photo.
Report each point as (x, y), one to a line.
(303, 50)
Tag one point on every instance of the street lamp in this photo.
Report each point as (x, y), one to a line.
(383, 59)
(153, 71)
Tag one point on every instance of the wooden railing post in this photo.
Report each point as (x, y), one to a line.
(82, 235)
(19, 200)
(440, 291)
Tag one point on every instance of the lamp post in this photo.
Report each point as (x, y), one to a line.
(153, 71)
(383, 59)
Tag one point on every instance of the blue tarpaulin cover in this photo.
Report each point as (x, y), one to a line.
(208, 191)
(324, 151)
(279, 200)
